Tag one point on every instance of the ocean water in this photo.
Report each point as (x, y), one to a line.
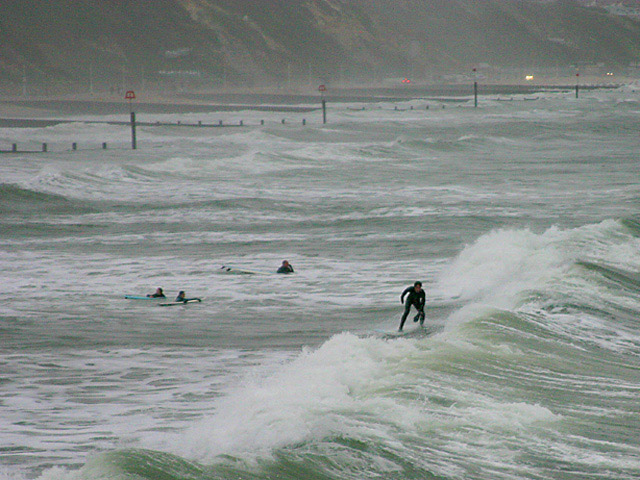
(520, 218)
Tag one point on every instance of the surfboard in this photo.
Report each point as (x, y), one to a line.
(143, 297)
(239, 271)
(189, 300)
(409, 330)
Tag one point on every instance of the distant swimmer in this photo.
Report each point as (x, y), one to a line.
(416, 297)
(158, 294)
(285, 267)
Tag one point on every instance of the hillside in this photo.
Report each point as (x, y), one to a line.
(112, 43)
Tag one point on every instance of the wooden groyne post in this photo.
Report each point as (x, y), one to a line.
(475, 88)
(130, 95)
(322, 89)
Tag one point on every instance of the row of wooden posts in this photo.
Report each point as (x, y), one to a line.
(219, 124)
(45, 148)
(74, 145)
(304, 121)
(134, 124)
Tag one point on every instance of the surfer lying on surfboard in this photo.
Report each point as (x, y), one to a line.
(182, 298)
(158, 294)
(416, 297)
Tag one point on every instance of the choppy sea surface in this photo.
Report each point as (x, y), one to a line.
(520, 218)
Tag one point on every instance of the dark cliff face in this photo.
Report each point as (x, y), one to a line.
(277, 41)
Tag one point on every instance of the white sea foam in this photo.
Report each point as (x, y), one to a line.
(502, 264)
(348, 387)
(537, 347)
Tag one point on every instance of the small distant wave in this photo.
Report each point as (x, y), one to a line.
(633, 224)
(434, 144)
(18, 200)
(616, 277)
(452, 144)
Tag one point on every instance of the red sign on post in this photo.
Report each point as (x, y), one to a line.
(130, 95)
(322, 88)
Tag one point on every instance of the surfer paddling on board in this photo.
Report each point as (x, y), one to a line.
(158, 294)
(416, 297)
(181, 298)
(285, 267)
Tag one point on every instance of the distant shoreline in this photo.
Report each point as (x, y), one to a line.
(200, 102)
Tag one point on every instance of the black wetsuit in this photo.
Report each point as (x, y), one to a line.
(284, 269)
(417, 299)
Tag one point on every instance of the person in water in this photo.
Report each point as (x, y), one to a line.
(158, 293)
(181, 298)
(285, 267)
(416, 297)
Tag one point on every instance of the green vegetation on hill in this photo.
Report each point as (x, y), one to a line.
(114, 42)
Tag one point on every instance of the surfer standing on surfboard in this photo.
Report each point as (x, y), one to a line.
(416, 297)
